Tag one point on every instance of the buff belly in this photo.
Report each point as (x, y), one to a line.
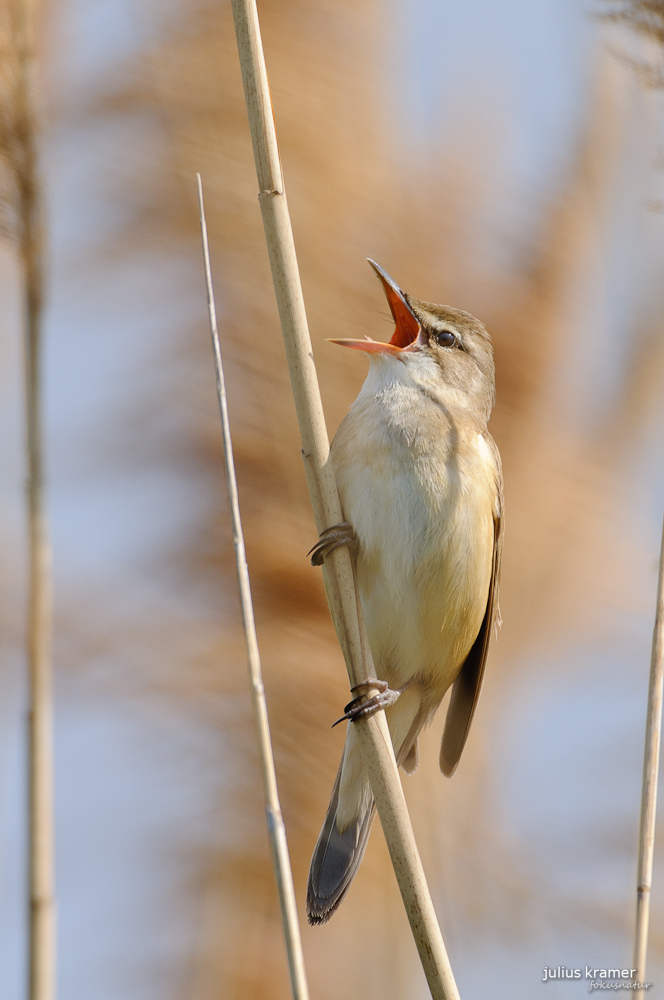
(423, 564)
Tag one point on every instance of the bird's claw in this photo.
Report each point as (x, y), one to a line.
(331, 539)
(358, 708)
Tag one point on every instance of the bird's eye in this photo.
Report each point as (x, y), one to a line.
(445, 338)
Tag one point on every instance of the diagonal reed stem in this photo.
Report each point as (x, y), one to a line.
(373, 734)
(650, 781)
(275, 823)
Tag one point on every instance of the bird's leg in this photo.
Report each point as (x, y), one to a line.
(358, 708)
(331, 539)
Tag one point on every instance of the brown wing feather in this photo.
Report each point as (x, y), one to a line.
(467, 686)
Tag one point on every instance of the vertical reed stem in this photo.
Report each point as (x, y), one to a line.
(275, 823)
(373, 734)
(650, 780)
(41, 959)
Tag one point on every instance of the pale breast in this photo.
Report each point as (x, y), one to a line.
(420, 493)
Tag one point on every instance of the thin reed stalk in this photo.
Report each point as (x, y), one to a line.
(373, 734)
(646, 17)
(275, 824)
(650, 782)
(23, 160)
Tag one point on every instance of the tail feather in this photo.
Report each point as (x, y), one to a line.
(343, 839)
(337, 856)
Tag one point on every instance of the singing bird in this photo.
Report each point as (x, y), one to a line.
(420, 484)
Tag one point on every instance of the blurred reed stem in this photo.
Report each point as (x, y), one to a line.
(40, 740)
(646, 17)
(373, 734)
(650, 781)
(275, 823)
(21, 154)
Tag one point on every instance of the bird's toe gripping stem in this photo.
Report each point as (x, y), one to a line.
(358, 708)
(331, 539)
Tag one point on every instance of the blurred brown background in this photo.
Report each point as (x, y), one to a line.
(505, 162)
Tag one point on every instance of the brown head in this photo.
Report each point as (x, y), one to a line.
(454, 341)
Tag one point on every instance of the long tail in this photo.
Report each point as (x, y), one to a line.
(343, 839)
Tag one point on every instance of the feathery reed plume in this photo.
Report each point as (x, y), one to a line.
(646, 17)
(372, 732)
(275, 823)
(18, 140)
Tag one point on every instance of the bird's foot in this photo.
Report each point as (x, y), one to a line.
(331, 539)
(358, 708)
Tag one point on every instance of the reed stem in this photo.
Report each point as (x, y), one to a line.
(41, 959)
(275, 823)
(650, 782)
(373, 734)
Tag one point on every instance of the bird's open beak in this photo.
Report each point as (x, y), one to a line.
(408, 327)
